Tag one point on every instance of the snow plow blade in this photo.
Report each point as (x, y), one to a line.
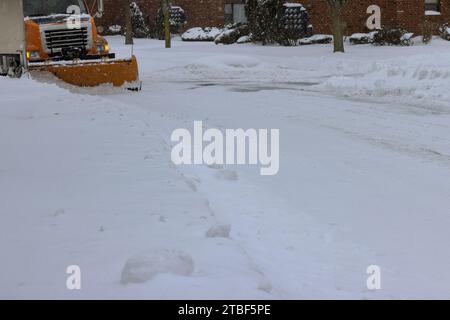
(119, 73)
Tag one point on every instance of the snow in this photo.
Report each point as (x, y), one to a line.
(315, 39)
(244, 39)
(222, 231)
(407, 36)
(362, 38)
(201, 34)
(294, 5)
(359, 35)
(143, 267)
(86, 177)
(432, 13)
(417, 80)
(115, 28)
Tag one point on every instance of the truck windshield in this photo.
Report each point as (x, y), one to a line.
(35, 8)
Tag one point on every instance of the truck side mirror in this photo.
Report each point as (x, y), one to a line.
(100, 9)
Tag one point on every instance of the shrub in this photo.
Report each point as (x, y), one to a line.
(274, 21)
(264, 18)
(428, 30)
(140, 28)
(362, 38)
(316, 39)
(444, 31)
(201, 34)
(294, 25)
(392, 36)
(232, 34)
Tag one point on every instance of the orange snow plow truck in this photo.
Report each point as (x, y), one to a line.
(61, 38)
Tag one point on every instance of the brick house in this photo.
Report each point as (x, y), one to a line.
(409, 14)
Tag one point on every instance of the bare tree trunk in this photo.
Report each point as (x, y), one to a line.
(165, 5)
(129, 25)
(338, 29)
(336, 7)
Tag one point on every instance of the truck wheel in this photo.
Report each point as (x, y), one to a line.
(15, 71)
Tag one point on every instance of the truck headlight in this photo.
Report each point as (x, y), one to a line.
(33, 55)
(103, 48)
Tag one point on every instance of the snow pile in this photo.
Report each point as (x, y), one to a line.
(244, 39)
(115, 29)
(219, 231)
(294, 5)
(201, 34)
(415, 80)
(407, 37)
(432, 13)
(144, 267)
(35, 90)
(362, 38)
(316, 39)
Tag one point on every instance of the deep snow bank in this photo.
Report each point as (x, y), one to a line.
(418, 80)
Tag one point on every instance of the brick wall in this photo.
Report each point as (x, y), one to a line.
(199, 12)
(409, 14)
(354, 14)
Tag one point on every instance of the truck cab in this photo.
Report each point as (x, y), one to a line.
(62, 30)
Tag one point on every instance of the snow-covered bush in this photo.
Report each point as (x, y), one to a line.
(201, 34)
(392, 37)
(245, 39)
(362, 38)
(296, 25)
(140, 27)
(316, 39)
(274, 21)
(232, 34)
(114, 30)
(264, 19)
(444, 31)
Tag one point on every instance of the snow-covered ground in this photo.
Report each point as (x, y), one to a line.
(86, 177)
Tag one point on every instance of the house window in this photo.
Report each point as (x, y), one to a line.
(235, 13)
(433, 5)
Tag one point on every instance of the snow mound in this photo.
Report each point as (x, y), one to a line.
(415, 80)
(362, 38)
(144, 267)
(115, 29)
(316, 39)
(201, 34)
(219, 231)
(244, 39)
